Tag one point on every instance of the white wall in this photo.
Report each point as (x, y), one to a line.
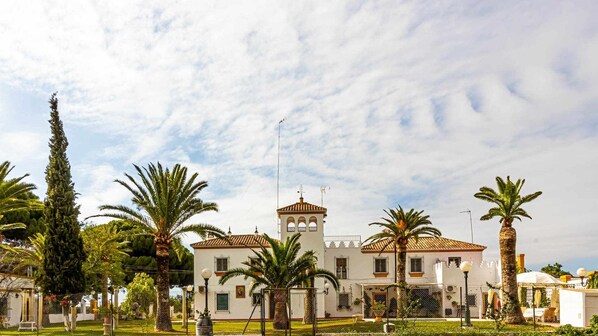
(15, 305)
(57, 318)
(360, 271)
(577, 306)
(239, 308)
(572, 307)
(436, 274)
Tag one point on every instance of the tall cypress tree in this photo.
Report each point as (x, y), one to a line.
(63, 252)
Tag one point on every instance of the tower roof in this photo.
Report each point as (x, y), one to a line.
(425, 244)
(232, 241)
(301, 207)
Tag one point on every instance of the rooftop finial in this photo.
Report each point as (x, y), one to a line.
(300, 192)
(229, 232)
(256, 232)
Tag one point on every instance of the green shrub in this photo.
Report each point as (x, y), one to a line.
(593, 328)
(568, 330)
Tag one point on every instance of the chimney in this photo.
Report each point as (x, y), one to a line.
(521, 262)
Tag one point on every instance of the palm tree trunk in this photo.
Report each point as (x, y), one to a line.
(45, 311)
(105, 314)
(402, 289)
(280, 309)
(65, 318)
(163, 322)
(507, 242)
(308, 314)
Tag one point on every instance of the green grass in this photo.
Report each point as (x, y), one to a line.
(344, 326)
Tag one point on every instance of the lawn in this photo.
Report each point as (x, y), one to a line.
(344, 326)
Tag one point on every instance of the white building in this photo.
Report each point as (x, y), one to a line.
(17, 300)
(364, 270)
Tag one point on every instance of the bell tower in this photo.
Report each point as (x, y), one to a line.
(308, 220)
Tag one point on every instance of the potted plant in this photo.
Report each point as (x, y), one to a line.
(204, 325)
(378, 309)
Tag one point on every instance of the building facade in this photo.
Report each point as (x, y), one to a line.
(365, 272)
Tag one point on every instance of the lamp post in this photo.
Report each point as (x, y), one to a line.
(204, 326)
(581, 273)
(466, 267)
(188, 296)
(490, 302)
(37, 317)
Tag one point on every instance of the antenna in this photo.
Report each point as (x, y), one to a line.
(470, 222)
(323, 191)
(278, 167)
(278, 178)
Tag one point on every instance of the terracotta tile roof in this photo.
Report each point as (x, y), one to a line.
(234, 241)
(302, 207)
(426, 244)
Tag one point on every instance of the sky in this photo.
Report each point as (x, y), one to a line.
(417, 103)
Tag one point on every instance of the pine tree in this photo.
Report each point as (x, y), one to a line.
(62, 273)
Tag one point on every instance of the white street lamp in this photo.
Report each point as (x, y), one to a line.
(582, 273)
(204, 325)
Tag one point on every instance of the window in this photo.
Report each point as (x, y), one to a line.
(416, 265)
(301, 227)
(341, 268)
(343, 300)
(222, 301)
(313, 224)
(4, 306)
(256, 299)
(454, 260)
(290, 224)
(221, 264)
(471, 299)
(380, 265)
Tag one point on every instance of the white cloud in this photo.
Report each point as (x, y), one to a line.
(386, 102)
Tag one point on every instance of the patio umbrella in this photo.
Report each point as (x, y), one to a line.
(538, 279)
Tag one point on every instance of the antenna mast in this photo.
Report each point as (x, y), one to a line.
(470, 222)
(278, 176)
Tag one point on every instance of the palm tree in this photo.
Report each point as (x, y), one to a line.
(12, 195)
(508, 201)
(164, 200)
(278, 266)
(23, 258)
(397, 229)
(105, 248)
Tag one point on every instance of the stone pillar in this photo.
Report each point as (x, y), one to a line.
(40, 309)
(184, 308)
(116, 314)
(73, 318)
(93, 305)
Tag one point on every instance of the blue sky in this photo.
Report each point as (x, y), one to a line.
(418, 103)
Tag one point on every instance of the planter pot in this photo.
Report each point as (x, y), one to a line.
(389, 328)
(378, 314)
(204, 327)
